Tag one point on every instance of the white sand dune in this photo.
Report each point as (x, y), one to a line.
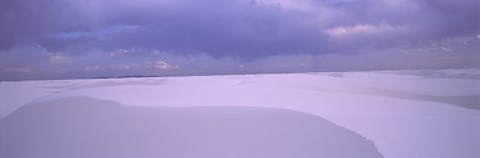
(414, 114)
(81, 127)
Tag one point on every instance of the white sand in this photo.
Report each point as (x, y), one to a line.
(403, 113)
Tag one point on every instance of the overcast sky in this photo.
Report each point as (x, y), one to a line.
(58, 39)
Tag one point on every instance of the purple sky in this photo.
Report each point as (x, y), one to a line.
(56, 39)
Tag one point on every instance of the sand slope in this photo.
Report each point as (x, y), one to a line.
(81, 127)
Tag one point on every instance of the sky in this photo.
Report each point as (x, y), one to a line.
(68, 39)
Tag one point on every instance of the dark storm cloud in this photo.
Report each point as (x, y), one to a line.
(236, 27)
(256, 37)
(242, 28)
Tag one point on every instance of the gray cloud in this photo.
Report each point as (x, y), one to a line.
(87, 31)
(240, 28)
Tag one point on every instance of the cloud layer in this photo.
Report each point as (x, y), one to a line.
(88, 32)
